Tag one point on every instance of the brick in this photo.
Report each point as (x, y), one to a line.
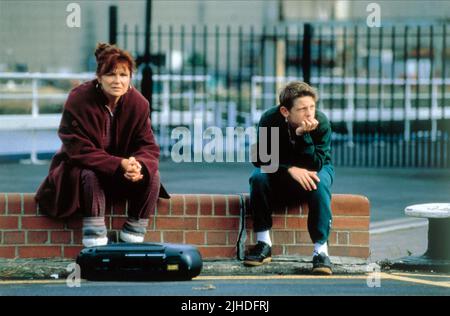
(163, 206)
(297, 223)
(342, 238)
(152, 236)
(14, 203)
(332, 239)
(359, 238)
(283, 237)
(183, 223)
(234, 205)
(294, 210)
(61, 237)
(173, 237)
(109, 220)
(37, 237)
(220, 205)
(248, 223)
(218, 223)
(194, 237)
(74, 223)
(117, 222)
(304, 209)
(119, 207)
(348, 204)
(251, 237)
(77, 237)
(40, 251)
(177, 205)
(14, 238)
(8, 252)
(9, 222)
(2, 203)
(232, 238)
(302, 237)
(216, 238)
(349, 251)
(279, 221)
(29, 204)
(351, 223)
(218, 252)
(41, 222)
(277, 250)
(192, 204)
(299, 250)
(206, 204)
(71, 252)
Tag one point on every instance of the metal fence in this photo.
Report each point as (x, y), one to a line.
(36, 99)
(384, 89)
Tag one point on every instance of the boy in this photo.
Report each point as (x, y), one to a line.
(305, 171)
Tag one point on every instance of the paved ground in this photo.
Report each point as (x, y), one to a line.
(389, 190)
(398, 243)
(297, 285)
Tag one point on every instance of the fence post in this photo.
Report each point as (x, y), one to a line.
(147, 73)
(113, 24)
(306, 58)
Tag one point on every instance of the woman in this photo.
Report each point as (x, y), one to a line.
(108, 149)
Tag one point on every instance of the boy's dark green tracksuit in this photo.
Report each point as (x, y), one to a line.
(311, 151)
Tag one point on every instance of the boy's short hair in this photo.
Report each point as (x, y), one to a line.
(294, 90)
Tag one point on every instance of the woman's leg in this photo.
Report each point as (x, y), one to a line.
(93, 206)
(142, 198)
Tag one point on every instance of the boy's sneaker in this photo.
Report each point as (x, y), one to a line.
(322, 264)
(260, 254)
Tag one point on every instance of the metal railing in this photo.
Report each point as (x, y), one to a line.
(385, 89)
(162, 116)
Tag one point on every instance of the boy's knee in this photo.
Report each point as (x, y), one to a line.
(322, 191)
(259, 178)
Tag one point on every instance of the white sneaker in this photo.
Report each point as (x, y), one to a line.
(127, 237)
(93, 242)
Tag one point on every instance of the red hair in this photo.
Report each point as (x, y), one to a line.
(109, 56)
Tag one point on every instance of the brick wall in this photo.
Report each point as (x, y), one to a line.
(211, 222)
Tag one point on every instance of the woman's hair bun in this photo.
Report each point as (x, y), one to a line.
(101, 47)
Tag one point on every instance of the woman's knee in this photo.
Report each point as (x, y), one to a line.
(88, 175)
(151, 181)
(155, 179)
(89, 180)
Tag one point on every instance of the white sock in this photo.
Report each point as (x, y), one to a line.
(319, 248)
(264, 236)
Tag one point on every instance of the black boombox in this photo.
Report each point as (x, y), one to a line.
(139, 262)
